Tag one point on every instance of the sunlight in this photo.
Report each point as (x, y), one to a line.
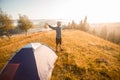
(95, 10)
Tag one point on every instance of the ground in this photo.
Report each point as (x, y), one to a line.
(84, 56)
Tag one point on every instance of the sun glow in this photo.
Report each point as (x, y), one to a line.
(95, 10)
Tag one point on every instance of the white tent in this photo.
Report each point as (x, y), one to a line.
(35, 61)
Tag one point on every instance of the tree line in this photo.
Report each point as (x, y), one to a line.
(83, 25)
(107, 35)
(104, 33)
(7, 26)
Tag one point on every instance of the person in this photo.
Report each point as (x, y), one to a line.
(58, 35)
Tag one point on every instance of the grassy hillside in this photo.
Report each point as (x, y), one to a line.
(84, 57)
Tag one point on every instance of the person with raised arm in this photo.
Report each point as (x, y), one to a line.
(58, 29)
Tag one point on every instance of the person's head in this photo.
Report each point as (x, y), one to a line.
(58, 23)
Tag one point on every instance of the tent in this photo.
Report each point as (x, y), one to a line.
(35, 61)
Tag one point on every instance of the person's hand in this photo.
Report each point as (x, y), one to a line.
(46, 25)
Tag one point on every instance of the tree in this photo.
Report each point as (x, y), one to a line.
(94, 32)
(6, 24)
(24, 23)
(104, 32)
(85, 25)
(111, 36)
(69, 25)
(73, 24)
(81, 25)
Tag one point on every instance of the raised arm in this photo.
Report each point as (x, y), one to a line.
(52, 27)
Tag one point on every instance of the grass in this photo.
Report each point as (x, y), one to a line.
(85, 57)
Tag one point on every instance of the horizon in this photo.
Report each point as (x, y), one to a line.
(97, 11)
(66, 21)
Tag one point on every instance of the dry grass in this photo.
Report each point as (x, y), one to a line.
(84, 57)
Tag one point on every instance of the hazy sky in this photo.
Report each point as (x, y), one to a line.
(95, 10)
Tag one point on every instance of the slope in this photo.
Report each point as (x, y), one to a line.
(84, 56)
